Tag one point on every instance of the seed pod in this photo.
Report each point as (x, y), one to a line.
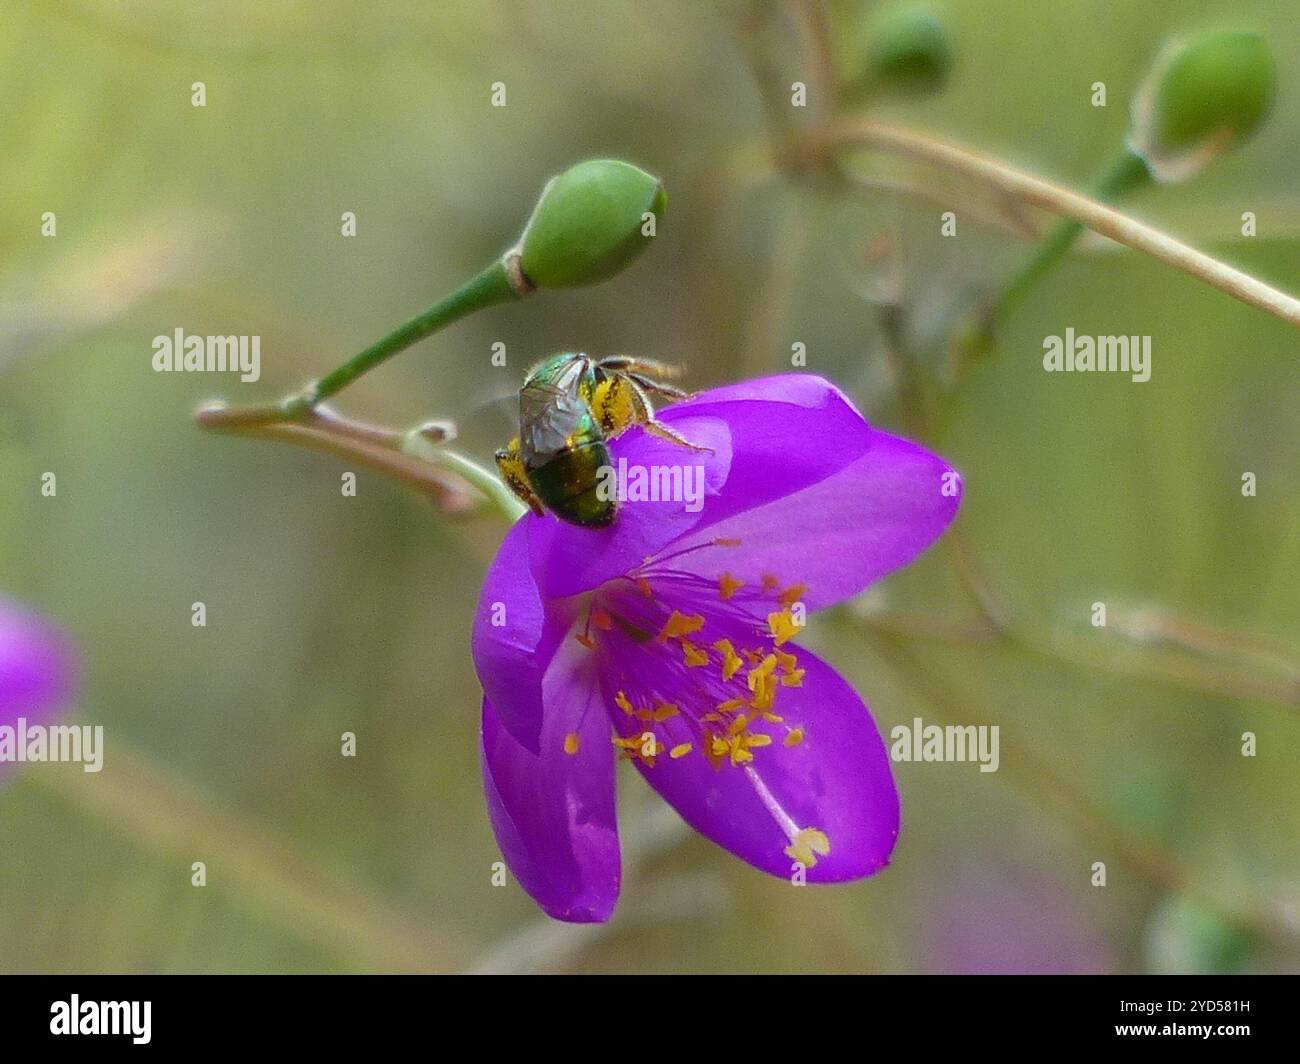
(591, 221)
(1203, 96)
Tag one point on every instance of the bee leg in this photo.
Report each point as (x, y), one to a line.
(645, 366)
(645, 417)
(668, 391)
(511, 468)
(614, 404)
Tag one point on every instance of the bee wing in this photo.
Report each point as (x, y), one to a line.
(548, 417)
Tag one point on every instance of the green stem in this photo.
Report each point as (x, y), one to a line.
(488, 288)
(1128, 172)
(413, 443)
(501, 282)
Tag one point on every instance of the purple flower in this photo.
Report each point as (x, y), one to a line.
(37, 667)
(667, 639)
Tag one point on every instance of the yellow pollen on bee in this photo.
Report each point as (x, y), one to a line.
(602, 620)
(782, 626)
(792, 594)
(731, 661)
(681, 750)
(795, 737)
(571, 743)
(728, 585)
(693, 655)
(807, 845)
(678, 625)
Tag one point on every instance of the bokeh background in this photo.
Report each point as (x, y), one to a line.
(329, 614)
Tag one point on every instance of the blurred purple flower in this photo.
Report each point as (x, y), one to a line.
(37, 667)
(675, 627)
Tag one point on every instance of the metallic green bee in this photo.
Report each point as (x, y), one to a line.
(569, 406)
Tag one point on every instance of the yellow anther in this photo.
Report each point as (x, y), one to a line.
(795, 737)
(806, 844)
(782, 626)
(621, 701)
(731, 705)
(585, 640)
(722, 542)
(757, 739)
(678, 625)
(731, 661)
(738, 725)
(786, 662)
(728, 585)
(602, 620)
(659, 714)
(644, 585)
(792, 594)
(571, 743)
(793, 679)
(681, 750)
(759, 674)
(770, 582)
(693, 655)
(739, 755)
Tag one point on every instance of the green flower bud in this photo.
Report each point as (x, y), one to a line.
(1202, 97)
(908, 51)
(591, 221)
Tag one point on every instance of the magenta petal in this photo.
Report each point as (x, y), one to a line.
(839, 535)
(771, 437)
(837, 780)
(37, 666)
(553, 812)
(569, 559)
(508, 644)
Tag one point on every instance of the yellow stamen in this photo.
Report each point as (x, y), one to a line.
(621, 701)
(770, 582)
(585, 640)
(681, 750)
(694, 655)
(728, 585)
(792, 594)
(795, 737)
(722, 542)
(806, 844)
(678, 625)
(731, 661)
(782, 626)
(794, 679)
(601, 620)
(571, 743)
(644, 585)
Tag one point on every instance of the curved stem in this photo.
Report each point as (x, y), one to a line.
(1040, 193)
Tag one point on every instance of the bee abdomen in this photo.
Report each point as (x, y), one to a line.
(570, 483)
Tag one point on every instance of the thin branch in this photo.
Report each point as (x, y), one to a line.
(821, 145)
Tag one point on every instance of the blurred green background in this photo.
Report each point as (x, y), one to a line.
(329, 614)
